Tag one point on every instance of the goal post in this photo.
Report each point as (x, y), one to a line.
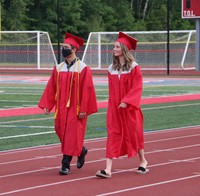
(26, 50)
(151, 51)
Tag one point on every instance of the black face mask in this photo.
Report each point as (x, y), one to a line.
(66, 52)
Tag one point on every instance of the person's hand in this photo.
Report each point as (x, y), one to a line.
(46, 111)
(122, 105)
(82, 115)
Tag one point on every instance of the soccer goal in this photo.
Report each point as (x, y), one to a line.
(26, 50)
(151, 51)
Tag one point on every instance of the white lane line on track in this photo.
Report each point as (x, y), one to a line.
(150, 185)
(172, 138)
(45, 147)
(97, 149)
(90, 177)
(94, 161)
(164, 131)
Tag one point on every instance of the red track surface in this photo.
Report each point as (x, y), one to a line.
(173, 156)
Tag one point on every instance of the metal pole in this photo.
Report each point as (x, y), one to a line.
(197, 44)
(38, 50)
(168, 39)
(0, 20)
(99, 50)
(58, 28)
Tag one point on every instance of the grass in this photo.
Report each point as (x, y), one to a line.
(33, 130)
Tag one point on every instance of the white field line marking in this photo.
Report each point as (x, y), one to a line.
(94, 140)
(20, 108)
(150, 185)
(171, 95)
(90, 177)
(170, 106)
(26, 126)
(27, 120)
(22, 93)
(17, 101)
(26, 135)
(99, 113)
(50, 132)
(21, 88)
(101, 159)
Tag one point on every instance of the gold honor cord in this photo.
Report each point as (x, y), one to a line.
(70, 88)
(70, 91)
(57, 90)
(78, 91)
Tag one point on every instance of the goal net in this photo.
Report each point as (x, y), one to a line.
(151, 51)
(26, 50)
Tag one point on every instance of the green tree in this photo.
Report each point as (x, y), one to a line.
(81, 17)
(177, 23)
(92, 15)
(43, 16)
(123, 15)
(157, 19)
(14, 15)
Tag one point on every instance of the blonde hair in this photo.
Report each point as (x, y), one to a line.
(129, 58)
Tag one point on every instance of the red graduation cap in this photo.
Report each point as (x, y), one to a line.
(73, 40)
(127, 40)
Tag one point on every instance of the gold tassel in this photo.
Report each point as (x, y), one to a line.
(55, 115)
(78, 109)
(68, 103)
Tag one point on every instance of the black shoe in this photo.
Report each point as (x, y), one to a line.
(81, 158)
(64, 171)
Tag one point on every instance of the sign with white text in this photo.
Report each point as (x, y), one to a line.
(190, 9)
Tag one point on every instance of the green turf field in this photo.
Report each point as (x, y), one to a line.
(25, 131)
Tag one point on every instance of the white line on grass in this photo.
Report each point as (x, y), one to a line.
(99, 113)
(27, 126)
(17, 101)
(25, 120)
(43, 133)
(26, 135)
(170, 106)
(23, 93)
(164, 131)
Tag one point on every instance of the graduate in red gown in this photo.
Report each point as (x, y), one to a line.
(70, 89)
(124, 116)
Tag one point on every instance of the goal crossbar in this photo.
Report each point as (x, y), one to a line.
(151, 52)
(26, 49)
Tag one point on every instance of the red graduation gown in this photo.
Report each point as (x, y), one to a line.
(68, 127)
(124, 125)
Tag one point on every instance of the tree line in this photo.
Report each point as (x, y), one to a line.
(80, 17)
